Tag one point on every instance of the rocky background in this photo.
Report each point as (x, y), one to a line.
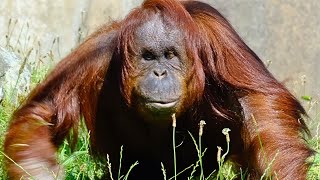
(283, 32)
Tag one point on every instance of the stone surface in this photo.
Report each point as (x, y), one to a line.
(14, 76)
(47, 20)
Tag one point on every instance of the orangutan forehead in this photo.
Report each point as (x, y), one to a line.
(157, 33)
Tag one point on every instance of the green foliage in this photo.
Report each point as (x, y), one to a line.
(314, 172)
(78, 163)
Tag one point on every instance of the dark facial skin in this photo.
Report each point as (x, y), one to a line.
(161, 66)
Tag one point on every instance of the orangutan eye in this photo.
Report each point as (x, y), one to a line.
(170, 54)
(147, 55)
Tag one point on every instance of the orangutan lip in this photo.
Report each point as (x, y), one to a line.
(159, 104)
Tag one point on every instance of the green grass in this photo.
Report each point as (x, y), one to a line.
(79, 164)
